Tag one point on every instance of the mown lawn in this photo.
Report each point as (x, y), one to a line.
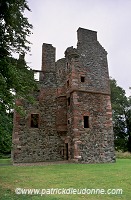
(5, 161)
(101, 176)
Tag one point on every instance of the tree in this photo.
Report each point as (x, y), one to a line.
(128, 124)
(121, 107)
(16, 78)
(5, 133)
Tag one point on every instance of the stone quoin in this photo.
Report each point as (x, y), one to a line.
(72, 117)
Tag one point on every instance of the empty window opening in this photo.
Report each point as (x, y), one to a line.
(82, 79)
(68, 121)
(68, 100)
(86, 121)
(34, 120)
(68, 83)
(66, 147)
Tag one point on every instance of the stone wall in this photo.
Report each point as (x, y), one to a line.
(42, 143)
(89, 93)
(95, 142)
(93, 62)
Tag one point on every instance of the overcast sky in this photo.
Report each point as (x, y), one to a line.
(56, 22)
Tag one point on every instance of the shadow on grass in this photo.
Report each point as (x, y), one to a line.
(5, 161)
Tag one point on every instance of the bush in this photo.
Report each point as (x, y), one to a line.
(125, 155)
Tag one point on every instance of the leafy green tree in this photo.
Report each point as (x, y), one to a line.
(5, 133)
(16, 78)
(121, 107)
(128, 124)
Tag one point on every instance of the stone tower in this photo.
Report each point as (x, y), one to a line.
(72, 117)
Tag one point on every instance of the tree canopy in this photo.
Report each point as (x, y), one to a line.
(121, 108)
(16, 78)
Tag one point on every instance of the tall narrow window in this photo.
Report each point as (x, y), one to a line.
(68, 83)
(68, 100)
(66, 147)
(86, 121)
(67, 64)
(34, 120)
(82, 79)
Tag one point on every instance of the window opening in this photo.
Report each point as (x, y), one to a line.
(68, 101)
(68, 83)
(67, 156)
(82, 79)
(34, 120)
(86, 121)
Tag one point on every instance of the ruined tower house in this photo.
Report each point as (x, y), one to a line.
(72, 117)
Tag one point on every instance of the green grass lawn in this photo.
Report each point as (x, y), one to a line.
(5, 161)
(101, 176)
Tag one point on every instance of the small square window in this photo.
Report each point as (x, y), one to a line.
(34, 120)
(82, 79)
(86, 121)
